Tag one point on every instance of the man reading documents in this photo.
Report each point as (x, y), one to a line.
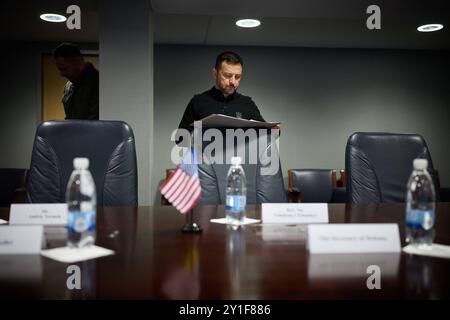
(223, 97)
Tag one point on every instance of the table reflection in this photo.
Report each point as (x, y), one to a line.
(182, 282)
(20, 269)
(283, 233)
(345, 266)
(236, 255)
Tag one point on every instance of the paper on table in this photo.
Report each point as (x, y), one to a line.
(225, 221)
(223, 121)
(437, 251)
(38, 214)
(70, 255)
(3, 221)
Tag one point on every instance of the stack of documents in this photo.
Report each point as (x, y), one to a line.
(223, 121)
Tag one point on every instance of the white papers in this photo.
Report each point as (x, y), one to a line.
(20, 239)
(223, 121)
(437, 251)
(42, 214)
(353, 238)
(3, 221)
(71, 255)
(225, 221)
(294, 213)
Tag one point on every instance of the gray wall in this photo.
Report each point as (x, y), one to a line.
(126, 78)
(321, 96)
(19, 104)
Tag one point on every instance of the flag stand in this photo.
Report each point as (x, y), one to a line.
(190, 225)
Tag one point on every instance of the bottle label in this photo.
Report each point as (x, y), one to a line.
(81, 221)
(87, 188)
(420, 219)
(236, 203)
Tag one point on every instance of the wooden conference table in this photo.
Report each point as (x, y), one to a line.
(155, 260)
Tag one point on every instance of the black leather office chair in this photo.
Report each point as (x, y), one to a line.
(12, 185)
(312, 185)
(110, 147)
(264, 178)
(378, 165)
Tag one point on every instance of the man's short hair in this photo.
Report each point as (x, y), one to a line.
(230, 57)
(66, 50)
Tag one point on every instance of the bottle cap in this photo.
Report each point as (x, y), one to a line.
(420, 164)
(80, 163)
(236, 161)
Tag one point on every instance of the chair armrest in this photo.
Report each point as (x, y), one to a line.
(20, 195)
(294, 195)
(339, 195)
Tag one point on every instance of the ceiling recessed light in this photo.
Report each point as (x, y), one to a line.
(52, 17)
(248, 23)
(430, 27)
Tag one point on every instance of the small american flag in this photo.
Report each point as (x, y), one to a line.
(182, 189)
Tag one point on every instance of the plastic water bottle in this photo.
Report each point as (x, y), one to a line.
(236, 198)
(420, 206)
(81, 201)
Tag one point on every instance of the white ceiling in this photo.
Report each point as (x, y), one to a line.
(311, 23)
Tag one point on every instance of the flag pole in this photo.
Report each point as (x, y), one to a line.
(190, 225)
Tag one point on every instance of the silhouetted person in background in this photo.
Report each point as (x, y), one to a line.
(80, 97)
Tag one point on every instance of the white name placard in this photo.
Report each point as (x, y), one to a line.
(38, 213)
(353, 238)
(21, 239)
(294, 213)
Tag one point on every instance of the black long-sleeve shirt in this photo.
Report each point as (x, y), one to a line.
(213, 101)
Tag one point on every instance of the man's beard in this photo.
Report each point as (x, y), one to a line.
(230, 89)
